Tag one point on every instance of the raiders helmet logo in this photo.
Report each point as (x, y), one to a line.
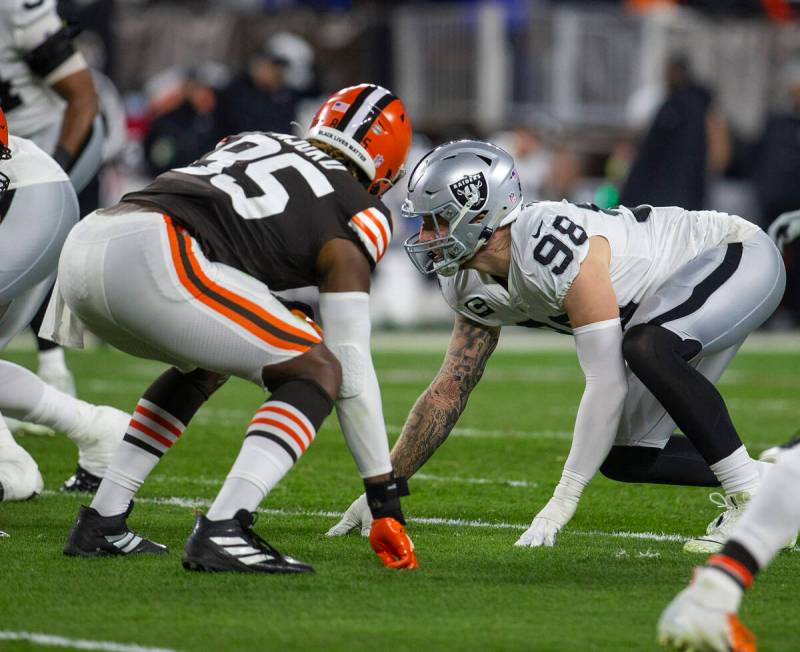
(470, 186)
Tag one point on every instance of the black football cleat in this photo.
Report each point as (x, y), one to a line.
(82, 481)
(232, 545)
(93, 535)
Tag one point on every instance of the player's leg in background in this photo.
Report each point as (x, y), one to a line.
(706, 307)
(706, 610)
(84, 166)
(31, 236)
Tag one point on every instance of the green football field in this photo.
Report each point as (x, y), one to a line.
(601, 588)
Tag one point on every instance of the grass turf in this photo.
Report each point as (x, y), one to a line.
(474, 590)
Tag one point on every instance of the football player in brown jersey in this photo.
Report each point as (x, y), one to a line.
(183, 272)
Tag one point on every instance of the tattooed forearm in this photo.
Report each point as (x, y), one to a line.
(438, 409)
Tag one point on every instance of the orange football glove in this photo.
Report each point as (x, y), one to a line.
(389, 540)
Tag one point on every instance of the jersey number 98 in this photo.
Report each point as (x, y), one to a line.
(550, 246)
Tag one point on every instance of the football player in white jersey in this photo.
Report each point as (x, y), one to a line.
(658, 300)
(38, 207)
(704, 615)
(47, 92)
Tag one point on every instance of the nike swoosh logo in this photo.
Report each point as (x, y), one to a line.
(33, 5)
(536, 235)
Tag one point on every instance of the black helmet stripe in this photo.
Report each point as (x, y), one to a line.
(355, 106)
(374, 112)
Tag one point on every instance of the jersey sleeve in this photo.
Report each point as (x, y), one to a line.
(555, 256)
(469, 304)
(367, 221)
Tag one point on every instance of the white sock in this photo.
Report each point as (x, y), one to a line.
(737, 472)
(151, 432)
(52, 359)
(57, 410)
(773, 517)
(258, 468)
(278, 435)
(24, 396)
(128, 469)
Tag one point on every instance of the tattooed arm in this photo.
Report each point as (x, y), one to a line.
(441, 404)
(435, 412)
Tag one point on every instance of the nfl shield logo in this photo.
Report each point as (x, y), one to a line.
(469, 187)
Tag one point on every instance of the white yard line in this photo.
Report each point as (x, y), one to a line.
(196, 503)
(425, 477)
(77, 643)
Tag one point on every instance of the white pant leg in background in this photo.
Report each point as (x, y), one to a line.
(31, 236)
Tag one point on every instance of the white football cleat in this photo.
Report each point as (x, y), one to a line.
(97, 434)
(19, 474)
(702, 617)
(718, 530)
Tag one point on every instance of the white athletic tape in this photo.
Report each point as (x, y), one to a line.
(77, 643)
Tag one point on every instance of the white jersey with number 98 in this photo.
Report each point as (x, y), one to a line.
(551, 239)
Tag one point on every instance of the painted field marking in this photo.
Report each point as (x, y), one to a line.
(195, 503)
(425, 477)
(77, 643)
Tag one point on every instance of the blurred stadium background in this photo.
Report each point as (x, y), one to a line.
(574, 90)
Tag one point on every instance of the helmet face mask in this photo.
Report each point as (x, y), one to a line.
(471, 186)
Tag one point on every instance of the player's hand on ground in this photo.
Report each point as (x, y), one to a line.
(390, 542)
(548, 523)
(356, 516)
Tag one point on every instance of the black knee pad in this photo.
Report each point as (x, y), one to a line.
(307, 396)
(647, 343)
(629, 463)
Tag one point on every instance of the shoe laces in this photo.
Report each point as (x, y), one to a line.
(256, 538)
(731, 509)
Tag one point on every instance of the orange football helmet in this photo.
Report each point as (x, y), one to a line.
(370, 125)
(5, 152)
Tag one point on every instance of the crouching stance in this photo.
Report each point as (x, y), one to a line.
(658, 300)
(38, 207)
(183, 271)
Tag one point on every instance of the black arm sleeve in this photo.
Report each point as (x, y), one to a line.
(50, 54)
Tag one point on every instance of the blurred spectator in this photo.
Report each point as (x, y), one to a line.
(299, 72)
(533, 158)
(259, 99)
(776, 175)
(687, 139)
(184, 133)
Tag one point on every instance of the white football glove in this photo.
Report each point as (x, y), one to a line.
(358, 515)
(555, 514)
(785, 229)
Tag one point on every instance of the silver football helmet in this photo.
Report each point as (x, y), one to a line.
(471, 186)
